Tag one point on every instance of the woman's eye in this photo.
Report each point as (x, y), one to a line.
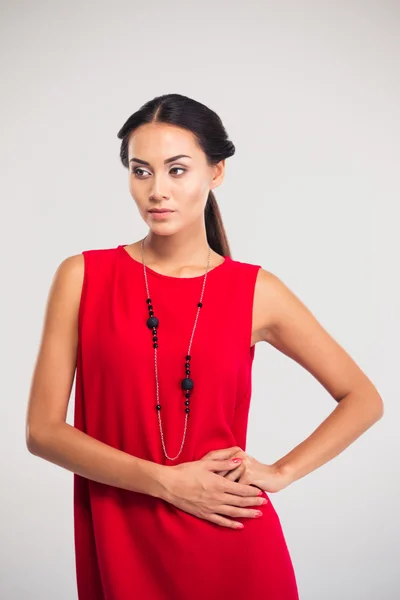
(178, 168)
(135, 171)
(138, 170)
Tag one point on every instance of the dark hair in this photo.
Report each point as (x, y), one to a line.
(207, 127)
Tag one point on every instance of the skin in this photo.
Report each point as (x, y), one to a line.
(213, 488)
(178, 245)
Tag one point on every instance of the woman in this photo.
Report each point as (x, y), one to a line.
(162, 334)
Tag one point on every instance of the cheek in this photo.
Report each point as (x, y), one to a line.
(192, 194)
(137, 193)
(133, 188)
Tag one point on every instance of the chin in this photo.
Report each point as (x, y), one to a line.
(161, 228)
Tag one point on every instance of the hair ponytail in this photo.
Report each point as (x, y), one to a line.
(216, 235)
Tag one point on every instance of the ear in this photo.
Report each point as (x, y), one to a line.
(218, 174)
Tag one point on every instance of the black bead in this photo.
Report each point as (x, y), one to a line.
(188, 357)
(187, 402)
(155, 345)
(200, 304)
(187, 394)
(155, 338)
(148, 300)
(187, 410)
(151, 312)
(152, 322)
(187, 371)
(158, 407)
(187, 383)
(187, 365)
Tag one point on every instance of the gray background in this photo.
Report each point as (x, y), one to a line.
(309, 94)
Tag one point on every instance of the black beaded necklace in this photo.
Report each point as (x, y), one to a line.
(187, 383)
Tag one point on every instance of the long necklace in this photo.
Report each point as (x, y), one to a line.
(187, 383)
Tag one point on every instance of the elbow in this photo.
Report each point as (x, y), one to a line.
(33, 439)
(381, 409)
(378, 403)
(378, 409)
(40, 437)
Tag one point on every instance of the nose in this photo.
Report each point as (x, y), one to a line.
(158, 190)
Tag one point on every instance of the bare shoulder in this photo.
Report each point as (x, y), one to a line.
(63, 300)
(68, 279)
(270, 293)
(72, 267)
(278, 310)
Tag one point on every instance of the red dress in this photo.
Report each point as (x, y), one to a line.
(132, 546)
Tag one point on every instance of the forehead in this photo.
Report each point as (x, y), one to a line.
(162, 140)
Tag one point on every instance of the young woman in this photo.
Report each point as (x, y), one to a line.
(162, 335)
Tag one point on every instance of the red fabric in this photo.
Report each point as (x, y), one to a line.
(133, 546)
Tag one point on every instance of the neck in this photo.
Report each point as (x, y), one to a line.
(183, 248)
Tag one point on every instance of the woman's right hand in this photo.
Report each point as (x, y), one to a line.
(196, 489)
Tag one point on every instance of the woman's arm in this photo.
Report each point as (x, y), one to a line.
(286, 323)
(47, 433)
(354, 414)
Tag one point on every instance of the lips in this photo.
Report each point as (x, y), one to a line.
(160, 210)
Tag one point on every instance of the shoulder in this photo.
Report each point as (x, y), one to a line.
(75, 267)
(245, 267)
(63, 298)
(268, 284)
(272, 299)
(68, 278)
(278, 310)
(100, 253)
(70, 270)
(70, 274)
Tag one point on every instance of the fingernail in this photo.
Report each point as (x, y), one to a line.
(236, 460)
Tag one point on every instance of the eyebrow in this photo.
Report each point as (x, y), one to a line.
(166, 161)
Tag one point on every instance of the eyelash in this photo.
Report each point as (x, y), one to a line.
(136, 169)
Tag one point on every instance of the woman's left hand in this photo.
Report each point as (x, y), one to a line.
(250, 471)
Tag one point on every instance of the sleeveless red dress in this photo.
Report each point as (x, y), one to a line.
(129, 545)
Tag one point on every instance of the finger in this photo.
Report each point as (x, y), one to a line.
(235, 511)
(222, 453)
(240, 501)
(235, 473)
(222, 465)
(240, 489)
(243, 481)
(221, 473)
(225, 522)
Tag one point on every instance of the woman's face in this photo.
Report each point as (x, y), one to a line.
(181, 185)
